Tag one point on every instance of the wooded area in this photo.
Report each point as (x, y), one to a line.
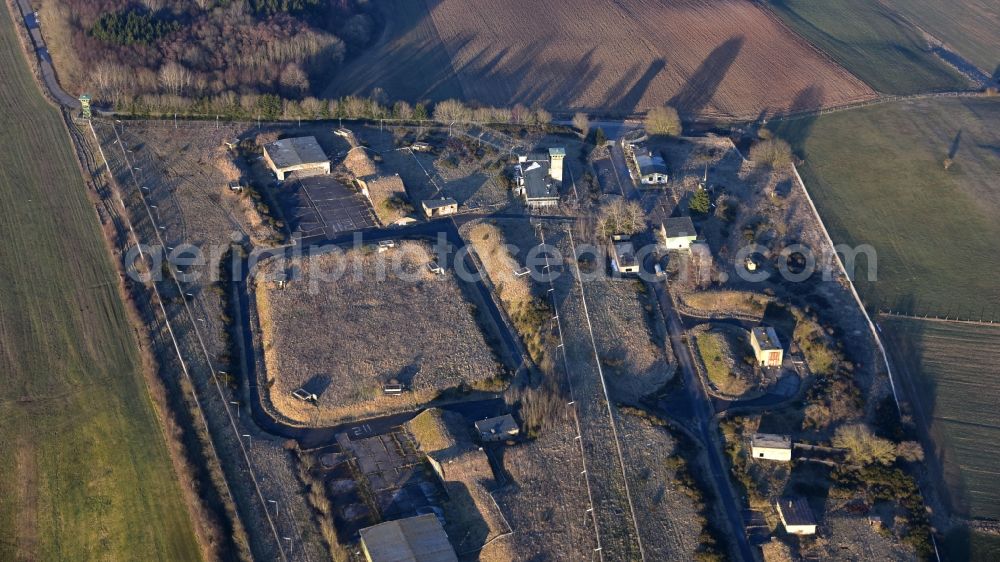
(199, 48)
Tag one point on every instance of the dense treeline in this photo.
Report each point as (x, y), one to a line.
(270, 7)
(132, 26)
(119, 49)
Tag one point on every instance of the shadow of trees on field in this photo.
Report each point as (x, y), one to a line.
(632, 96)
(796, 131)
(904, 341)
(955, 144)
(701, 87)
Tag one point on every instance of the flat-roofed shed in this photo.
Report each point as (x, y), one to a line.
(296, 154)
(414, 539)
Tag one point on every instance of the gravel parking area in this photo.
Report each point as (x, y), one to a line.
(324, 203)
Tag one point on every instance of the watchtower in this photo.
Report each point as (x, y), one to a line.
(85, 105)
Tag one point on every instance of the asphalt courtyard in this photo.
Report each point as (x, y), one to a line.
(324, 205)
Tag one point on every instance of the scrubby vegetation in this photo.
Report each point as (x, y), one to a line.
(772, 152)
(621, 217)
(663, 121)
(528, 312)
(723, 352)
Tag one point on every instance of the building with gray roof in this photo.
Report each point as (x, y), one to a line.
(300, 154)
(538, 177)
(414, 539)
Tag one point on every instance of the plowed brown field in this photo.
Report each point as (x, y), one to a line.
(726, 58)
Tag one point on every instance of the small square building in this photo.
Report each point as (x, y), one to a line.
(300, 154)
(439, 207)
(414, 539)
(623, 258)
(769, 446)
(796, 516)
(766, 346)
(678, 233)
(497, 429)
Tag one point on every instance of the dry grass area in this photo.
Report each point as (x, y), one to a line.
(849, 537)
(726, 302)
(379, 322)
(358, 163)
(722, 351)
(526, 310)
(630, 338)
(545, 498)
(388, 197)
(488, 241)
(727, 58)
(188, 172)
(472, 517)
(608, 483)
(671, 523)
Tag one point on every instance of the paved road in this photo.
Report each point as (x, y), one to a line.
(704, 417)
(44, 60)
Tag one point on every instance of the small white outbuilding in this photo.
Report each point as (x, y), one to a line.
(772, 447)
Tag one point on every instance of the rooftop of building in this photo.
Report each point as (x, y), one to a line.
(439, 203)
(677, 227)
(297, 151)
(414, 539)
(649, 164)
(766, 337)
(499, 424)
(771, 441)
(795, 511)
(625, 254)
(538, 184)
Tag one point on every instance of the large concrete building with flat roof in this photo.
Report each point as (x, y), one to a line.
(414, 539)
(300, 154)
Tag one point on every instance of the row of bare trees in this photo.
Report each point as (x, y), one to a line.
(455, 111)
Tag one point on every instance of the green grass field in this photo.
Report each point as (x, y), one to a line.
(84, 472)
(877, 177)
(955, 372)
(872, 42)
(968, 26)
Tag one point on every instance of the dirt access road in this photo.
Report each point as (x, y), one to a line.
(704, 419)
(32, 23)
